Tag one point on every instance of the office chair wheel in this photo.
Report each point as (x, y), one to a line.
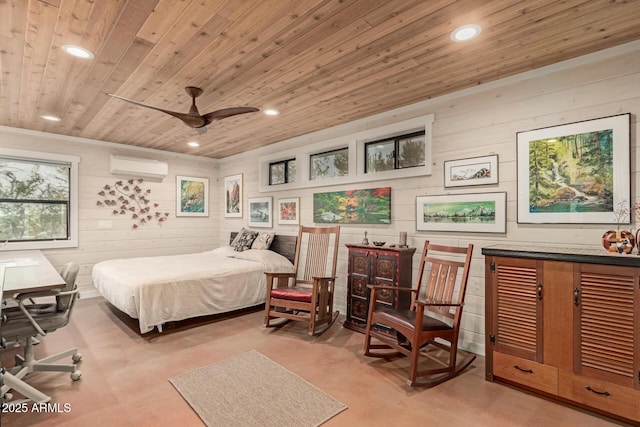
(75, 376)
(7, 397)
(76, 357)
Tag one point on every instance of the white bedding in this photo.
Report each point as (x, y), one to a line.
(156, 290)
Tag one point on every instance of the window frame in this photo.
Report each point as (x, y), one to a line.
(396, 150)
(285, 163)
(302, 150)
(323, 153)
(72, 202)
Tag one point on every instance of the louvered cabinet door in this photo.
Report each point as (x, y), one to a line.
(517, 308)
(606, 319)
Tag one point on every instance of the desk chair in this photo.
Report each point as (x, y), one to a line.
(8, 381)
(28, 320)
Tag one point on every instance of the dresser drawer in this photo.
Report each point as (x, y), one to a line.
(525, 372)
(613, 398)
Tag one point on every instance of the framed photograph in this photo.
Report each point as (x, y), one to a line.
(192, 196)
(575, 173)
(289, 211)
(233, 196)
(370, 206)
(472, 171)
(260, 212)
(468, 213)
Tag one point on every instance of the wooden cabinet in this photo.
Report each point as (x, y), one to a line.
(380, 266)
(564, 323)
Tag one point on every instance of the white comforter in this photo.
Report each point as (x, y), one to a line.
(156, 290)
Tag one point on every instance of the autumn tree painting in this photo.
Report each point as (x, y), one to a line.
(371, 206)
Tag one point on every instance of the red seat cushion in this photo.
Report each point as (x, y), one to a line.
(291, 294)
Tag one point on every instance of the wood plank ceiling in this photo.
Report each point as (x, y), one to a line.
(320, 62)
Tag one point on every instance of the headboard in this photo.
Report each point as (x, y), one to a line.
(283, 245)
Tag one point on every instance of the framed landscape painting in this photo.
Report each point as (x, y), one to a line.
(471, 213)
(192, 196)
(233, 196)
(289, 211)
(471, 171)
(370, 206)
(260, 212)
(574, 173)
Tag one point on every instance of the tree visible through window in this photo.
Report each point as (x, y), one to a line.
(329, 164)
(34, 200)
(404, 151)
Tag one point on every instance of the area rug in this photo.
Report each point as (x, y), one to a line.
(249, 389)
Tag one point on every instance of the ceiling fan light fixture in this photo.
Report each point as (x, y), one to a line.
(51, 117)
(193, 144)
(271, 112)
(465, 33)
(77, 51)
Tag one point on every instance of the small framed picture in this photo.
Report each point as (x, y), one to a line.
(233, 196)
(260, 212)
(289, 211)
(472, 171)
(192, 196)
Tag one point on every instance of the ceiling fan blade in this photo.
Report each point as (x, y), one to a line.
(194, 121)
(227, 112)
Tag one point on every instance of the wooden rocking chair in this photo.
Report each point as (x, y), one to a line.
(307, 293)
(434, 313)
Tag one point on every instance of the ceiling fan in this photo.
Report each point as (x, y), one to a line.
(193, 118)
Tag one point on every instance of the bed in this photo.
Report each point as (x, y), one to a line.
(156, 290)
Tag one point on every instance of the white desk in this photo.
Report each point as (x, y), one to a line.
(28, 271)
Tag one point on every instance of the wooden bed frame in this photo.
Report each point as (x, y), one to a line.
(283, 245)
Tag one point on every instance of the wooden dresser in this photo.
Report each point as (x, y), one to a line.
(565, 323)
(376, 265)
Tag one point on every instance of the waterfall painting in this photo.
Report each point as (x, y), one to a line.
(471, 213)
(574, 173)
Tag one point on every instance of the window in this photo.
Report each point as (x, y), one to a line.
(329, 164)
(396, 151)
(37, 200)
(282, 172)
(400, 152)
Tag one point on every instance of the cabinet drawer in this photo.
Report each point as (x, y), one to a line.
(613, 398)
(526, 372)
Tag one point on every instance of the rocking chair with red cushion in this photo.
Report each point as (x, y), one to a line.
(432, 319)
(307, 294)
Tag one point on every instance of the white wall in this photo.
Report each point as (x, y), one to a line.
(476, 122)
(176, 235)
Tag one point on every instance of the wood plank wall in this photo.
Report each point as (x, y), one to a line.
(478, 124)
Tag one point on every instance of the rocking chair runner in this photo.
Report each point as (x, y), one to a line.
(307, 293)
(435, 313)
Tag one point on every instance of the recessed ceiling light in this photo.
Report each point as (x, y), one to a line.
(271, 112)
(77, 51)
(465, 33)
(193, 144)
(51, 117)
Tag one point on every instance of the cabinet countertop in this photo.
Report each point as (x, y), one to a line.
(584, 255)
(384, 247)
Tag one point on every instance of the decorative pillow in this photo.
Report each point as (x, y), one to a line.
(243, 240)
(263, 240)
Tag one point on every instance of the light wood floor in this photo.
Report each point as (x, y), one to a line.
(125, 376)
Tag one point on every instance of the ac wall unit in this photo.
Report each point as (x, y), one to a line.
(140, 168)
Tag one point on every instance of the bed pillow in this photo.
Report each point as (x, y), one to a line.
(263, 240)
(243, 240)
